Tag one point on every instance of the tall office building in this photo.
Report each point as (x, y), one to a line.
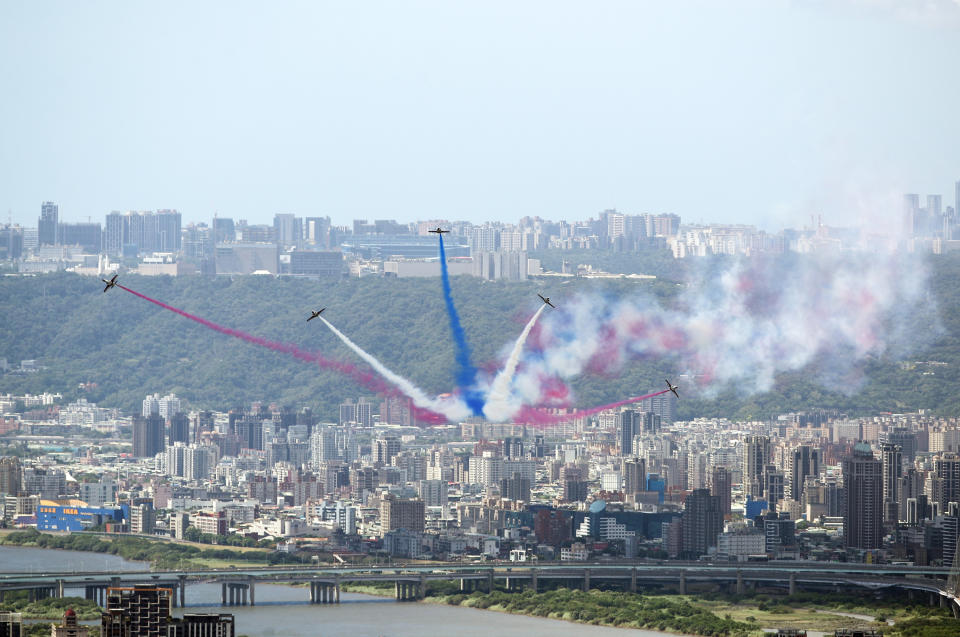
(634, 471)
(147, 436)
(288, 229)
(863, 511)
(903, 437)
(721, 485)
(804, 462)
(169, 231)
(628, 425)
(756, 454)
(48, 226)
(364, 413)
(892, 462)
(179, 428)
(385, 449)
(946, 481)
(702, 523)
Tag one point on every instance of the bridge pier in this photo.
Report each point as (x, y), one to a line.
(490, 581)
(633, 580)
(586, 580)
(739, 582)
(534, 584)
(182, 590)
(465, 585)
(793, 584)
(955, 607)
(683, 583)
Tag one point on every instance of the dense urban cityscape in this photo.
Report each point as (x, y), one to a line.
(526, 319)
(378, 485)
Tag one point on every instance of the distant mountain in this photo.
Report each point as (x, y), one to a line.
(130, 347)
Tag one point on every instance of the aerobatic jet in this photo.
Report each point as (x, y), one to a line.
(314, 315)
(438, 231)
(111, 283)
(672, 388)
(546, 299)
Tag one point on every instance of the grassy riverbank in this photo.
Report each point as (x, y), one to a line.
(709, 614)
(160, 554)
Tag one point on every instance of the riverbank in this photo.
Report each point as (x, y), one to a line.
(161, 554)
(710, 614)
(598, 608)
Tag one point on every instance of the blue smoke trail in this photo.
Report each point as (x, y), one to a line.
(467, 375)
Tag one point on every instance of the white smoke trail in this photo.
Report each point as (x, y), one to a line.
(453, 408)
(500, 403)
(744, 323)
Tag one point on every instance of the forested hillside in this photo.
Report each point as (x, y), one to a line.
(129, 347)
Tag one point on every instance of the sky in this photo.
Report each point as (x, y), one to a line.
(745, 111)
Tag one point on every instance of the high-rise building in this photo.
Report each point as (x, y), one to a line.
(401, 514)
(946, 482)
(756, 455)
(179, 428)
(628, 425)
(863, 511)
(773, 485)
(634, 471)
(150, 405)
(385, 449)
(364, 413)
(433, 492)
(48, 226)
(903, 437)
(892, 463)
(910, 488)
(516, 487)
(721, 486)
(147, 436)
(804, 462)
(169, 231)
(168, 405)
(552, 527)
(702, 523)
(288, 229)
(10, 483)
(143, 611)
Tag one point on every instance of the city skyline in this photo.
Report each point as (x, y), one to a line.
(409, 111)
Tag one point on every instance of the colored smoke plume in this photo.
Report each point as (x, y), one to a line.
(467, 373)
(364, 378)
(501, 402)
(453, 408)
(741, 322)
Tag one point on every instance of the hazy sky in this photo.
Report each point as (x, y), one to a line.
(753, 112)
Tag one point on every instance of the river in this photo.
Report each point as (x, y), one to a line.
(282, 610)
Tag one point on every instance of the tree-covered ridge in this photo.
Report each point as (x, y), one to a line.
(130, 348)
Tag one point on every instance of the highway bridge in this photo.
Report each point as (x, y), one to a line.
(238, 585)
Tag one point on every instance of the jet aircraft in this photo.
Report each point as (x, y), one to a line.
(546, 299)
(111, 283)
(438, 231)
(314, 315)
(672, 388)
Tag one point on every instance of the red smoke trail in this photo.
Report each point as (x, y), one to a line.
(537, 418)
(365, 378)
